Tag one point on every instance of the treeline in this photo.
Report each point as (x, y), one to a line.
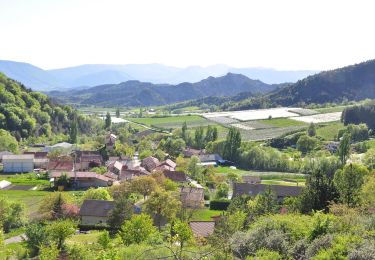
(360, 114)
(25, 113)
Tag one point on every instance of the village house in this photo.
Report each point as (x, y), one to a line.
(83, 179)
(150, 163)
(192, 197)
(85, 160)
(202, 229)
(110, 142)
(40, 159)
(18, 163)
(2, 153)
(65, 164)
(95, 212)
(214, 160)
(254, 189)
(176, 176)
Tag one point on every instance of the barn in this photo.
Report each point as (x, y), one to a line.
(18, 163)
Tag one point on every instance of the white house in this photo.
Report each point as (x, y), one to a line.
(18, 163)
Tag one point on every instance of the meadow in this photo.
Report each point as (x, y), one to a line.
(172, 121)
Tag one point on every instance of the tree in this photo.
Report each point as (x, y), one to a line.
(12, 214)
(311, 131)
(368, 192)
(36, 237)
(369, 159)
(96, 194)
(52, 205)
(123, 210)
(211, 134)
(349, 181)
(117, 112)
(232, 144)
(263, 204)
(108, 121)
(181, 235)
(73, 133)
(193, 169)
(143, 185)
(60, 230)
(162, 205)
(137, 230)
(104, 240)
(49, 252)
(184, 133)
(306, 143)
(222, 190)
(344, 148)
(199, 137)
(8, 142)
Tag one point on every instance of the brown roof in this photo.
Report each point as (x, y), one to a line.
(96, 208)
(176, 176)
(60, 165)
(162, 168)
(191, 194)
(169, 163)
(189, 152)
(150, 163)
(128, 174)
(255, 189)
(38, 155)
(79, 175)
(251, 179)
(202, 228)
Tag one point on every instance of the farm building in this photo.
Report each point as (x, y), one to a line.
(110, 141)
(84, 179)
(255, 189)
(192, 197)
(18, 163)
(40, 159)
(2, 153)
(214, 160)
(95, 212)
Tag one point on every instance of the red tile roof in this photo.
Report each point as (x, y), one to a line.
(202, 228)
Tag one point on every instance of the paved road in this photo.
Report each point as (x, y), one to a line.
(15, 239)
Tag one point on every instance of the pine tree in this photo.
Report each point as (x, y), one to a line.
(73, 134)
(232, 144)
(118, 113)
(108, 121)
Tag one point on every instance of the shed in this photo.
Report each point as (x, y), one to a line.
(18, 163)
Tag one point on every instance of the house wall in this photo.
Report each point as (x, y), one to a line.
(91, 220)
(18, 166)
(86, 183)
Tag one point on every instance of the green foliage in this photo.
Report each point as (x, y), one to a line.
(369, 159)
(349, 181)
(108, 121)
(219, 204)
(358, 133)
(60, 230)
(79, 252)
(367, 195)
(262, 204)
(96, 194)
(52, 206)
(8, 142)
(144, 185)
(311, 131)
(49, 252)
(306, 144)
(232, 144)
(172, 146)
(222, 190)
(12, 214)
(137, 230)
(122, 211)
(344, 148)
(36, 237)
(360, 114)
(104, 240)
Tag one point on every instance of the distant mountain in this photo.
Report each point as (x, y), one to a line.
(354, 82)
(29, 75)
(98, 74)
(136, 93)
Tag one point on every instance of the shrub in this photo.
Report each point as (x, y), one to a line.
(219, 204)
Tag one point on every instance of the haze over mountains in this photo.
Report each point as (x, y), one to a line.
(99, 74)
(137, 93)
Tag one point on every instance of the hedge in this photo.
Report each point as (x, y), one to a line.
(220, 204)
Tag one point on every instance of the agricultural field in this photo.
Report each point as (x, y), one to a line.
(172, 121)
(282, 122)
(319, 118)
(329, 131)
(268, 133)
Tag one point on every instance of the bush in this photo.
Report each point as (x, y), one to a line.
(219, 204)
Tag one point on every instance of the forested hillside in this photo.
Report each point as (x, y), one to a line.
(25, 113)
(136, 93)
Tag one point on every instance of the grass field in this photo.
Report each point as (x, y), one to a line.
(329, 132)
(276, 176)
(282, 122)
(205, 214)
(172, 121)
(331, 109)
(90, 238)
(371, 143)
(24, 179)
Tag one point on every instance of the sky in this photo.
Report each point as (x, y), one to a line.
(280, 34)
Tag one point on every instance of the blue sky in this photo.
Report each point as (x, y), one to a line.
(287, 34)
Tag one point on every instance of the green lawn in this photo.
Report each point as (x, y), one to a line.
(90, 238)
(205, 214)
(24, 179)
(172, 121)
(331, 109)
(30, 198)
(329, 132)
(301, 182)
(282, 122)
(264, 175)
